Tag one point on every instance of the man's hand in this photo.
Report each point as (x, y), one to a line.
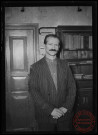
(64, 110)
(57, 113)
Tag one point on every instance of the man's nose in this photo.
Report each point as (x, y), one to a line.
(53, 47)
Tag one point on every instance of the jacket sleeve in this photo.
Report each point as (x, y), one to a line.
(71, 90)
(34, 91)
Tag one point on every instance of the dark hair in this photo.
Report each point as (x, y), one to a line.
(50, 35)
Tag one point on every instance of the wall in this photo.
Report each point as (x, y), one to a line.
(49, 17)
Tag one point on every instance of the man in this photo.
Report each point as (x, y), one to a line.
(53, 89)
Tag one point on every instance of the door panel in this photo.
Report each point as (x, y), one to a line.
(21, 52)
(18, 53)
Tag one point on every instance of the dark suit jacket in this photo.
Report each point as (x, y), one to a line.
(44, 93)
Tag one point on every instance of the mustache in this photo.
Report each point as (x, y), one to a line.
(52, 50)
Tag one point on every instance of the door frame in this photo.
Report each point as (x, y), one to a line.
(33, 27)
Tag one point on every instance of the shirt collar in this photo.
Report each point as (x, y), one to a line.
(50, 60)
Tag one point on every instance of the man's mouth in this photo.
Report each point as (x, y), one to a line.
(52, 50)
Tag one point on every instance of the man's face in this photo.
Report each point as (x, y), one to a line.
(52, 46)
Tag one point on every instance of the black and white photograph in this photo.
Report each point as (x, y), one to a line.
(48, 67)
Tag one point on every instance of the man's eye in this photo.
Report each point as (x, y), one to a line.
(56, 44)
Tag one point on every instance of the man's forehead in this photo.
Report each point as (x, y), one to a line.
(52, 39)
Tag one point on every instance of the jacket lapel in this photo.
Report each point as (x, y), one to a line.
(60, 75)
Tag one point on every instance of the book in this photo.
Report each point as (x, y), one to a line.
(79, 55)
(66, 41)
(70, 54)
(87, 76)
(90, 42)
(90, 54)
(76, 41)
(70, 42)
(78, 76)
(89, 61)
(86, 42)
(81, 42)
(84, 54)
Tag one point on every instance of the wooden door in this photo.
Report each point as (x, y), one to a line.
(20, 52)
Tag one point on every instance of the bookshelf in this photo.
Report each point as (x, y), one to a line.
(77, 49)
